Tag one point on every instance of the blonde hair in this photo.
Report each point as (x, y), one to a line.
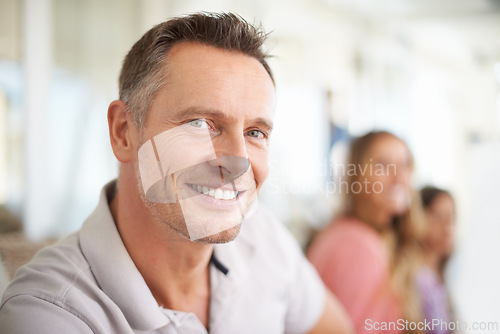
(403, 238)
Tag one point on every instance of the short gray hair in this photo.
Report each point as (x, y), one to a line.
(142, 73)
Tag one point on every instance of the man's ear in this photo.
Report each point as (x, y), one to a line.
(121, 130)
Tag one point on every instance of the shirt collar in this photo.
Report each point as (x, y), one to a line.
(114, 270)
(103, 248)
(227, 289)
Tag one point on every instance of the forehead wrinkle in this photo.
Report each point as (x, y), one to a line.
(202, 112)
(179, 77)
(182, 63)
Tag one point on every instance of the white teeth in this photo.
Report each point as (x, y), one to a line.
(217, 193)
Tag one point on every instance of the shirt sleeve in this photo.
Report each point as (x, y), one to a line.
(307, 298)
(4, 279)
(306, 292)
(44, 317)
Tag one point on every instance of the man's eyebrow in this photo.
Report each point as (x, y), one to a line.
(200, 112)
(264, 123)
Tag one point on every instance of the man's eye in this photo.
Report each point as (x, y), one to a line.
(256, 134)
(199, 123)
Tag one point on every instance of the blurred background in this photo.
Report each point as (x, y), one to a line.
(427, 70)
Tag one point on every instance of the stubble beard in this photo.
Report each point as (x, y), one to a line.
(170, 216)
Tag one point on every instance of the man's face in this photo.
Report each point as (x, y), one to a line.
(208, 129)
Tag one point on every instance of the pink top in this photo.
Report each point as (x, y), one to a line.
(352, 261)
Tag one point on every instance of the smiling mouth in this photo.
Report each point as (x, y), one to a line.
(216, 193)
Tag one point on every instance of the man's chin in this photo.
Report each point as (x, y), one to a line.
(221, 237)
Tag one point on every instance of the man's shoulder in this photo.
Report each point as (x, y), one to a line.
(56, 278)
(266, 261)
(51, 269)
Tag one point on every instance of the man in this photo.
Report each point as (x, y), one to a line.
(191, 131)
(4, 279)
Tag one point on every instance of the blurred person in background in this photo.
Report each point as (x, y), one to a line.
(438, 244)
(369, 255)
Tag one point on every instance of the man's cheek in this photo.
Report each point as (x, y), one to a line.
(261, 169)
(183, 147)
(167, 153)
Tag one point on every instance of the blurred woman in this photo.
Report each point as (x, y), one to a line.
(438, 245)
(369, 256)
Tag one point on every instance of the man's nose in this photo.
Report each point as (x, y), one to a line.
(232, 157)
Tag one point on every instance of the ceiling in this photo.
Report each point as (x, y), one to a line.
(476, 22)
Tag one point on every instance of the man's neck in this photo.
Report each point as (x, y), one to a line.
(175, 269)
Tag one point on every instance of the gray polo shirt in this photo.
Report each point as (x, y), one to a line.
(87, 283)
